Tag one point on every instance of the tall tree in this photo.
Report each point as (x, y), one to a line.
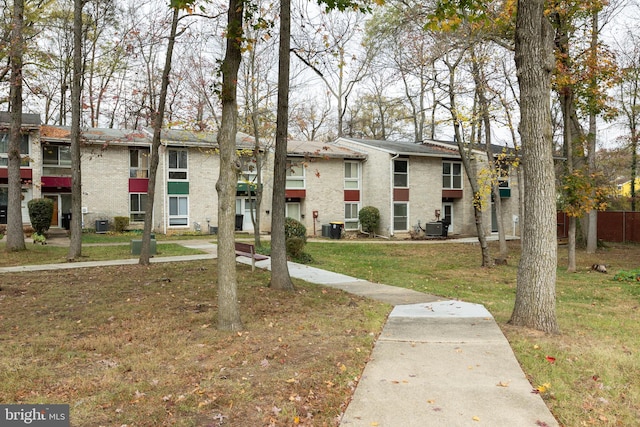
(75, 245)
(535, 304)
(331, 53)
(158, 121)
(465, 155)
(15, 234)
(280, 278)
(228, 310)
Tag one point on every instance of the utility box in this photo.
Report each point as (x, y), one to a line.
(102, 226)
(136, 247)
(326, 230)
(433, 229)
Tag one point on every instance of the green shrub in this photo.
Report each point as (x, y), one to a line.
(295, 247)
(293, 228)
(121, 223)
(369, 218)
(40, 213)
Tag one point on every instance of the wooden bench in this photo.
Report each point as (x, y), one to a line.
(249, 250)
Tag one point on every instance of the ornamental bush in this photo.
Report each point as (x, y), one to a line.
(121, 223)
(40, 214)
(293, 228)
(369, 218)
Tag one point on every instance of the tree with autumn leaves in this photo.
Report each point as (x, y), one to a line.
(584, 74)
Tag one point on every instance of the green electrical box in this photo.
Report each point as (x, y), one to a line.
(136, 247)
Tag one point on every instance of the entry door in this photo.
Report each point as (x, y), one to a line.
(55, 221)
(293, 211)
(243, 207)
(447, 209)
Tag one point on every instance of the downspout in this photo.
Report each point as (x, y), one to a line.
(165, 208)
(391, 199)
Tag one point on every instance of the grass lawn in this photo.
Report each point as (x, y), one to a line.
(138, 345)
(49, 254)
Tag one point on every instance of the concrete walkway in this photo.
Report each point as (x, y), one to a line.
(437, 362)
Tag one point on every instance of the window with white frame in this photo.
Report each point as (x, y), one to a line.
(4, 149)
(351, 175)
(351, 216)
(56, 160)
(295, 175)
(137, 205)
(401, 173)
(452, 175)
(400, 216)
(178, 211)
(178, 167)
(138, 163)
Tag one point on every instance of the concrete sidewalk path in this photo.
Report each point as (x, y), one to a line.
(437, 363)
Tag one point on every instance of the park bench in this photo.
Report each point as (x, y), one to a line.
(249, 250)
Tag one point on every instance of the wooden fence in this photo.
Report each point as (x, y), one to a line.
(614, 226)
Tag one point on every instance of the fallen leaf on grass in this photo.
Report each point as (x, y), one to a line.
(550, 359)
(542, 388)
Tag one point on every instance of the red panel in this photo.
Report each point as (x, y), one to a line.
(24, 173)
(56, 181)
(295, 194)
(452, 194)
(138, 185)
(351, 195)
(400, 194)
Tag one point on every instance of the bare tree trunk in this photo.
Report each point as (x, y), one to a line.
(592, 232)
(280, 278)
(75, 245)
(567, 104)
(15, 233)
(228, 309)
(535, 304)
(483, 104)
(255, 213)
(468, 167)
(158, 120)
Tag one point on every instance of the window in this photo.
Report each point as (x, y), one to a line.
(4, 149)
(139, 163)
(351, 216)
(178, 210)
(351, 175)
(178, 164)
(56, 160)
(452, 175)
(295, 175)
(137, 204)
(401, 173)
(400, 216)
